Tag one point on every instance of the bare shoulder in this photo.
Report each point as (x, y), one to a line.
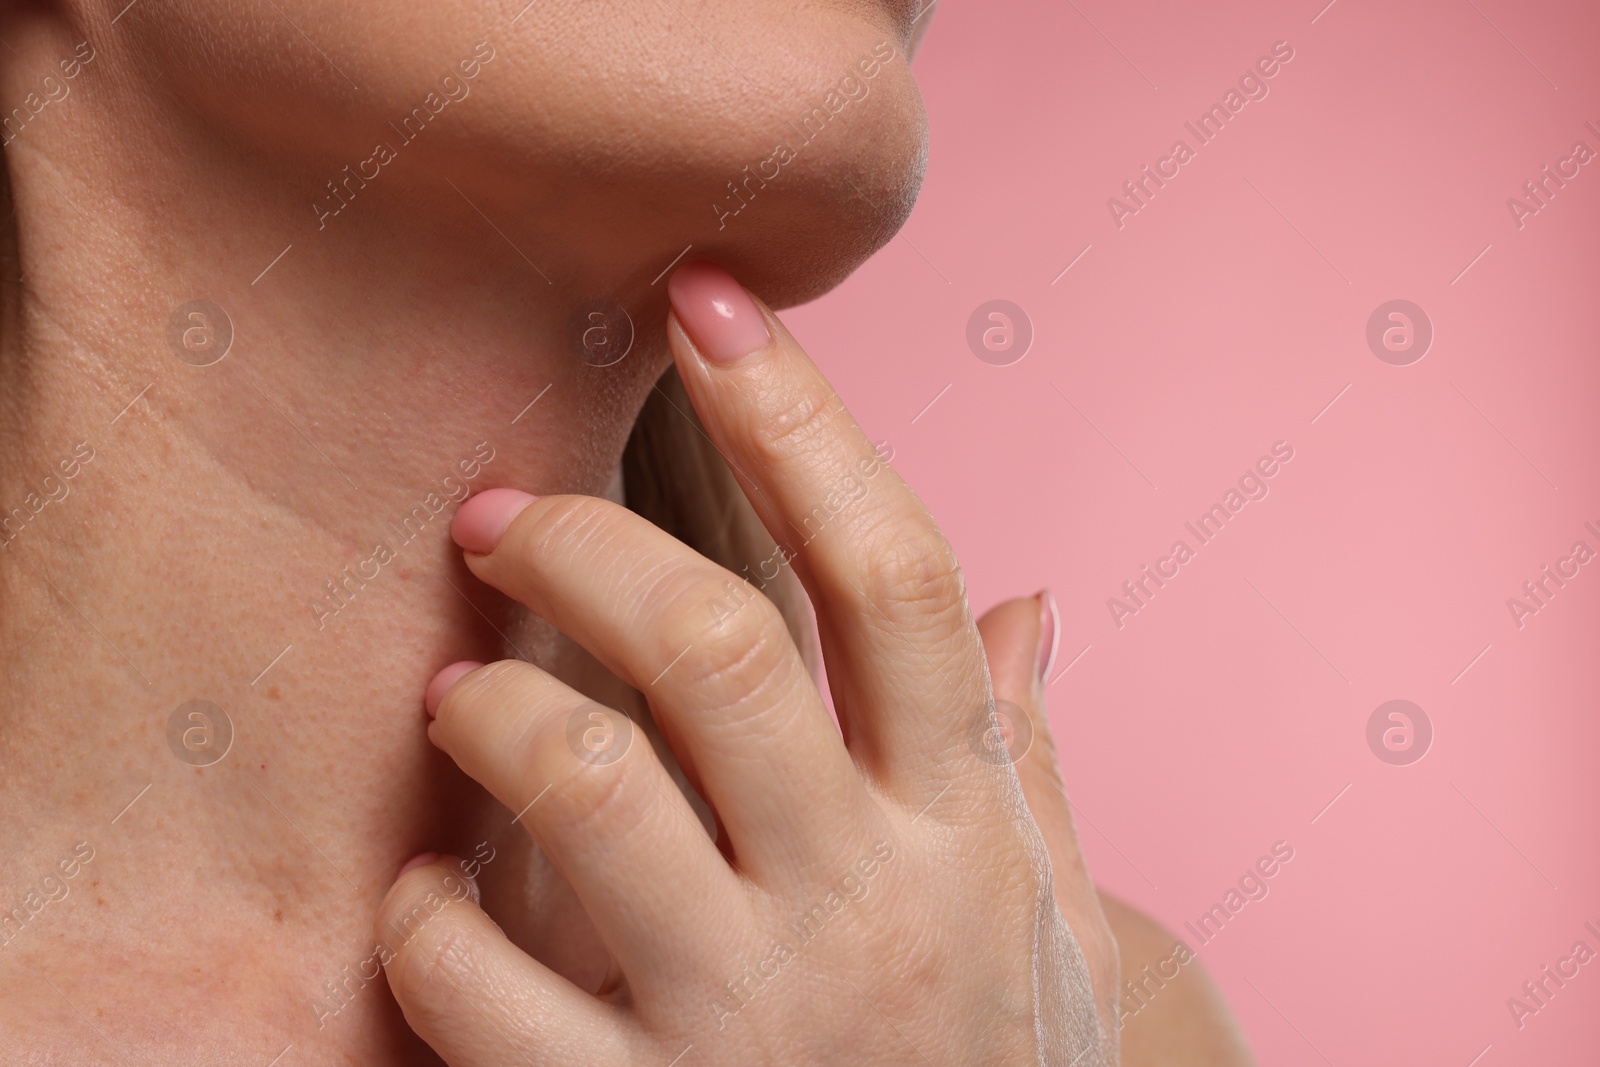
(1172, 1012)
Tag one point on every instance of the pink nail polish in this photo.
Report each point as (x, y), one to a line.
(418, 861)
(482, 521)
(716, 312)
(443, 681)
(1049, 633)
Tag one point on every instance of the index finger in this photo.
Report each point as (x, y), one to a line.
(903, 654)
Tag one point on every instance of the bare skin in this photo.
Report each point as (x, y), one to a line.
(1187, 1023)
(376, 354)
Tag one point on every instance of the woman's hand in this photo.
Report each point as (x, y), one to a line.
(880, 897)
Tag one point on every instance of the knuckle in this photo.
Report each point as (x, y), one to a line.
(428, 966)
(913, 570)
(511, 728)
(740, 653)
(425, 940)
(568, 524)
(797, 426)
(607, 802)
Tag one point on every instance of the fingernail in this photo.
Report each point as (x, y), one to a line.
(482, 521)
(1049, 633)
(443, 681)
(418, 861)
(716, 312)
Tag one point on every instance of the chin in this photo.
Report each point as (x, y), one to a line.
(819, 186)
(789, 159)
(785, 140)
(793, 238)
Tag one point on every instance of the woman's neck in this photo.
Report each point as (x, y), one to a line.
(267, 534)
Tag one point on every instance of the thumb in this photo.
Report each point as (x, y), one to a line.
(1019, 639)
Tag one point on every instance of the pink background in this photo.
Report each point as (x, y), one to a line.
(1224, 317)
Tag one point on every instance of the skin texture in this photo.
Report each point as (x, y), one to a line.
(379, 352)
(1187, 1021)
(955, 939)
(226, 915)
